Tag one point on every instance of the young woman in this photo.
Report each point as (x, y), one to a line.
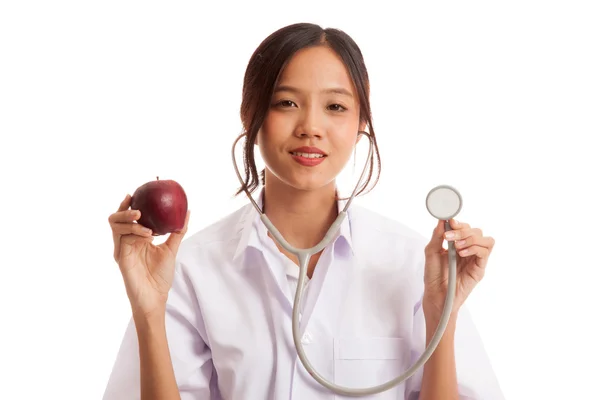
(212, 316)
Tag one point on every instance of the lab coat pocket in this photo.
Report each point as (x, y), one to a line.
(362, 362)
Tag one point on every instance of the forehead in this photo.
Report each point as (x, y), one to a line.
(316, 68)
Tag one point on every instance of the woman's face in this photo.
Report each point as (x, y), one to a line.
(316, 107)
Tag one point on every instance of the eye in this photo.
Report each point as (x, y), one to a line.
(286, 103)
(337, 108)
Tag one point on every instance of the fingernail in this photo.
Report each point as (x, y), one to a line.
(461, 242)
(449, 235)
(147, 231)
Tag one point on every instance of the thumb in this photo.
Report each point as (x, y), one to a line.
(437, 239)
(175, 238)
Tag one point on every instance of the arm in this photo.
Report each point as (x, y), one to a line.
(459, 367)
(439, 373)
(157, 378)
(164, 350)
(472, 370)
(450, 375)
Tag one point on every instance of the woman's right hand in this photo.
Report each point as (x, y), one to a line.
(147, 269)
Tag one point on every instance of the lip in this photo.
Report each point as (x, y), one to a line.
(308, 162)
(308, 149)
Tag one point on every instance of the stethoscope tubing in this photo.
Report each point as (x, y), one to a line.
(304, 256)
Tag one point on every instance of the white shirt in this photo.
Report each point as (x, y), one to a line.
(229, 316)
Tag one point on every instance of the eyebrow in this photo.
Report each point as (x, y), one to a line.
(336, 90)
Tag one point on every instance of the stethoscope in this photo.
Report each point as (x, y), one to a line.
(443, 202)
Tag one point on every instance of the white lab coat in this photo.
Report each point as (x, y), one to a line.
(229, 316)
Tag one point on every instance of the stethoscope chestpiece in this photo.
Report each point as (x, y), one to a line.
(443, 202)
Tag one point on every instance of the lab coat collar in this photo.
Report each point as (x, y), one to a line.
(248, 236)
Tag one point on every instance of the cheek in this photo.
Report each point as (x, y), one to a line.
(346, 140)
(346, 128)
(277, 124)
(265, 134)
(348, 152)
(268, 139)
(345, 150)
(275, 130)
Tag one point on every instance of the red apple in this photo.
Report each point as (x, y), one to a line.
(163, 205)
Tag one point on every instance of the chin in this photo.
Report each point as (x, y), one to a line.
(305, 180)
(309, 183)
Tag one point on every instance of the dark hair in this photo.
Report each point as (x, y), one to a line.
(263, 72)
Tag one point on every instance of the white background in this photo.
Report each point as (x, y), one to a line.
(500, 99)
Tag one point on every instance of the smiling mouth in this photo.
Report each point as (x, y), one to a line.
(307, 155)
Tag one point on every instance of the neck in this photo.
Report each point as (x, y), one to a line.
(301, 216)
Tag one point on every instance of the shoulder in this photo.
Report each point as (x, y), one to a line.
(220, 237)
(382, 241)
(366, 223)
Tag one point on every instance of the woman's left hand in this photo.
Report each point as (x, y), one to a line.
(472, 253)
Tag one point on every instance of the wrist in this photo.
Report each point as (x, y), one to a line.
(432, 322)
(434, 303)
(433, 310)
(149, 320)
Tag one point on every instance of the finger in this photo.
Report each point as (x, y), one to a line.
(175, 238)
(487, 242)
(116, 217)
(491, 243)
(125, 203)
(457, 234)
(436, 243)
(124, 216)
(477, 251)
(121, 228)
(454, 224)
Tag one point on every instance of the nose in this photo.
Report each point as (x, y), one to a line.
(309, 125)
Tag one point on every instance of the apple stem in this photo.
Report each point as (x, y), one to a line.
(157, 178)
